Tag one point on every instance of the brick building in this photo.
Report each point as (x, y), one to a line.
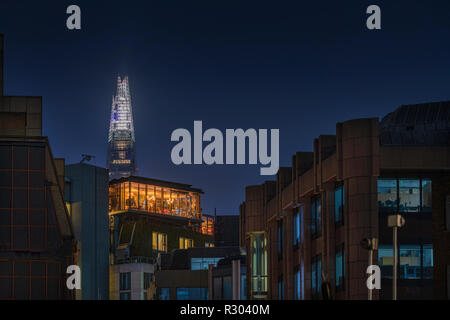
(306, 227)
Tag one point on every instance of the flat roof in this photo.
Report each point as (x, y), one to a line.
(157, 182)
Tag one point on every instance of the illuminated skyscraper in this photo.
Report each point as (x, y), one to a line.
(121, 160)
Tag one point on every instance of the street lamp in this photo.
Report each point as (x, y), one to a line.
(395, 221)
(370, 244)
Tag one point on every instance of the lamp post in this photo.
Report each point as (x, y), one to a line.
(370, 244)
(395, 221)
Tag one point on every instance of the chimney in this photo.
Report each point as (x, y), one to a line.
(1, 65)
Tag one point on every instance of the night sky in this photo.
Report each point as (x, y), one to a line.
(298, 66)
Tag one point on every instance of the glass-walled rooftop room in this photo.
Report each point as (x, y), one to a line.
(155, 199)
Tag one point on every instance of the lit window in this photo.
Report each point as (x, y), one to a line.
(203, 263)
(192, 293)
(159, 241)
(409, 191)
(410, 262)
(387, 194)
(186, 243)
(404, 195)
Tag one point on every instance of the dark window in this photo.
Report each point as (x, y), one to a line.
(20, 217)
(280, 288)
(280, 239)
(316, 276)
(147, 280)
(339, 203)
(125, 296)
(297, 283)
(125, 279)
(20, 237)
(20, 179)
(20, 198)
(316, 217)
(227, 288)
(37, 158)
(5, 179)
(37, 238)
(20, 158)
(37, 179)
(37, 198)
(5, 198)
(5, 157)
(217, 284)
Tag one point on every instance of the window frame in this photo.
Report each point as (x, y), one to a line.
(396, 209)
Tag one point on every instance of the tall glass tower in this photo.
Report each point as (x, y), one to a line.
(121, 160)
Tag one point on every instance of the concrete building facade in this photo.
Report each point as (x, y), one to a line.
(305, 228)
(86, 196)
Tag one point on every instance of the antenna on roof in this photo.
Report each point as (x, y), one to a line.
(86, 157)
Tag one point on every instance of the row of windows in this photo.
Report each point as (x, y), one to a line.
(30, 279)
(204, 262)
(399, 195)
(404, 195)
(125, 281)
(414, 262)
(22, 158)
(159, 242)
(184, 293)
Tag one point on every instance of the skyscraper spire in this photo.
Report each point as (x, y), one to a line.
(121, 160)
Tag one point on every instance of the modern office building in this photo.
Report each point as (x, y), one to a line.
(305, 228)
(226, 231)
(121, 158)
(36, 238)
(149, 217)
(86, 195)
(184, 274)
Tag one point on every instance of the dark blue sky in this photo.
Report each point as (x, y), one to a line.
(298, 66)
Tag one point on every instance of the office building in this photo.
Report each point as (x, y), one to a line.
(305, 228)
(36, 238)
(121, 158)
